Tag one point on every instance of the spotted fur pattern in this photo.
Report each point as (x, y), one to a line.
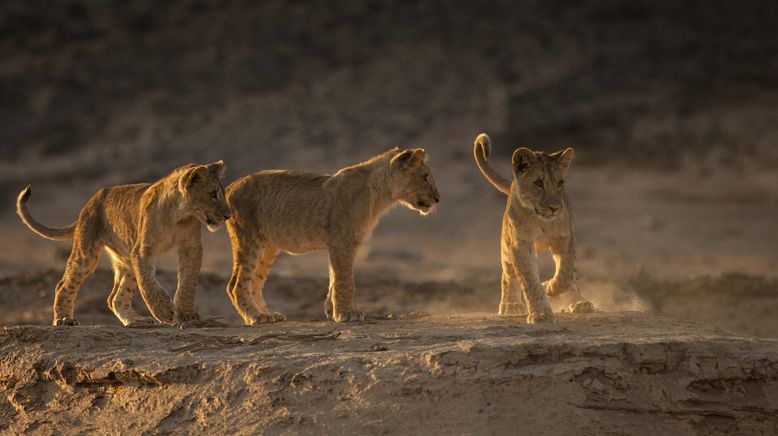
(135, 224)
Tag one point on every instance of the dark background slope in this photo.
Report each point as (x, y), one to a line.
(644, 81)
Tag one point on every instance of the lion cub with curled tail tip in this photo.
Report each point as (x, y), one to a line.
(537, 217)
(135, 224)
(296, 212)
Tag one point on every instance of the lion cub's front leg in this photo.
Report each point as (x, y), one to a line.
(190, 258)
(563, 287)
(155, 297)
(523, 258)
(341, 292)
(510, 292)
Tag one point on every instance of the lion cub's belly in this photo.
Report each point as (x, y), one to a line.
(297, 242)
(120, 246)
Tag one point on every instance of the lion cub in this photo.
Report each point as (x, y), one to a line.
(136, 223)
(296, 212)
(537, 217)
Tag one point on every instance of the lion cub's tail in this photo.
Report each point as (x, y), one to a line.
(481, 149)
(60, 234)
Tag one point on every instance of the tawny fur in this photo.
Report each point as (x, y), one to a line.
(296, 212)
(135, 224)
(537, 217)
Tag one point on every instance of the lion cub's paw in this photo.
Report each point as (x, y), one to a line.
(169, 319)
(265, 318)
(507, 309)
(182, 317)
(201, 323)
(144, 322)
(541, 318)
(582, 306)
(553, 289)
(352, 315)
(65, 322)
(279, 317)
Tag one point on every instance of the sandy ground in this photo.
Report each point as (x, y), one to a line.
(614, 373)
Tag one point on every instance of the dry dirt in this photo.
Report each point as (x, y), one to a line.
(410, 369)
(603, 373)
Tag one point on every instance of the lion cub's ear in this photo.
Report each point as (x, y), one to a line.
(408, 159)
(563, 158)
(523, 159)
(216, 168)
(192, 176)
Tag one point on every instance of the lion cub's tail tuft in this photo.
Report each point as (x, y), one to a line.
(481, 149)
(60, 234)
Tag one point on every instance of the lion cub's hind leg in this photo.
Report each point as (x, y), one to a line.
(261, 273)
(120, 301)
(245, 260)
(81, 263)
(328, 304)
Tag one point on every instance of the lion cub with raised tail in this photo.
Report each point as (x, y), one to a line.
(135, 224)
(296, 212)
(537, 217)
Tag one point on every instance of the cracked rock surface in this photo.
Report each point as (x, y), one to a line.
(601, 373)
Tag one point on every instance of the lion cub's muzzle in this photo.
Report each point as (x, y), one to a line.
(548, 212)
(426, 204)
(213, 224)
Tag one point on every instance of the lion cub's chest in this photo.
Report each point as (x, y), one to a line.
(524, 225)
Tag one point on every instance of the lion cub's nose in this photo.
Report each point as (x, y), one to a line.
(226, 217)
(554, 208)
(436, 198)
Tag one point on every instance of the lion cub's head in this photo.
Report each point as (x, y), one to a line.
(202, 194)
(540, 180)
(413, 181)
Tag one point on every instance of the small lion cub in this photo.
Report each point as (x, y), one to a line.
(537, 217)
(296, 212)
(135, 224)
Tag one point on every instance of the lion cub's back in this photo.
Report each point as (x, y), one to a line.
(115, 211)
(280, 202)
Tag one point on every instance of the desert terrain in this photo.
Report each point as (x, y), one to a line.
(672, 110)
(615, 373)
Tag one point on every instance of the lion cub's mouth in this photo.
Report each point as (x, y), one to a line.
(213, 225)
(545, 214)
(424, 207)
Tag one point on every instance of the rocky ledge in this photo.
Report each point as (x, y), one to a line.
(614, 373)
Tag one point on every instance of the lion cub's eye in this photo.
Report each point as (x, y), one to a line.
(428, 178)
(539, 183)
(214, 195)
(561, 183)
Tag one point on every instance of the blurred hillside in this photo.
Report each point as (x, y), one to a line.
(112, 84)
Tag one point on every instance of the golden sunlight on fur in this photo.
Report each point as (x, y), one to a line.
(135, 224)
(297, 212)
(537, 217)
